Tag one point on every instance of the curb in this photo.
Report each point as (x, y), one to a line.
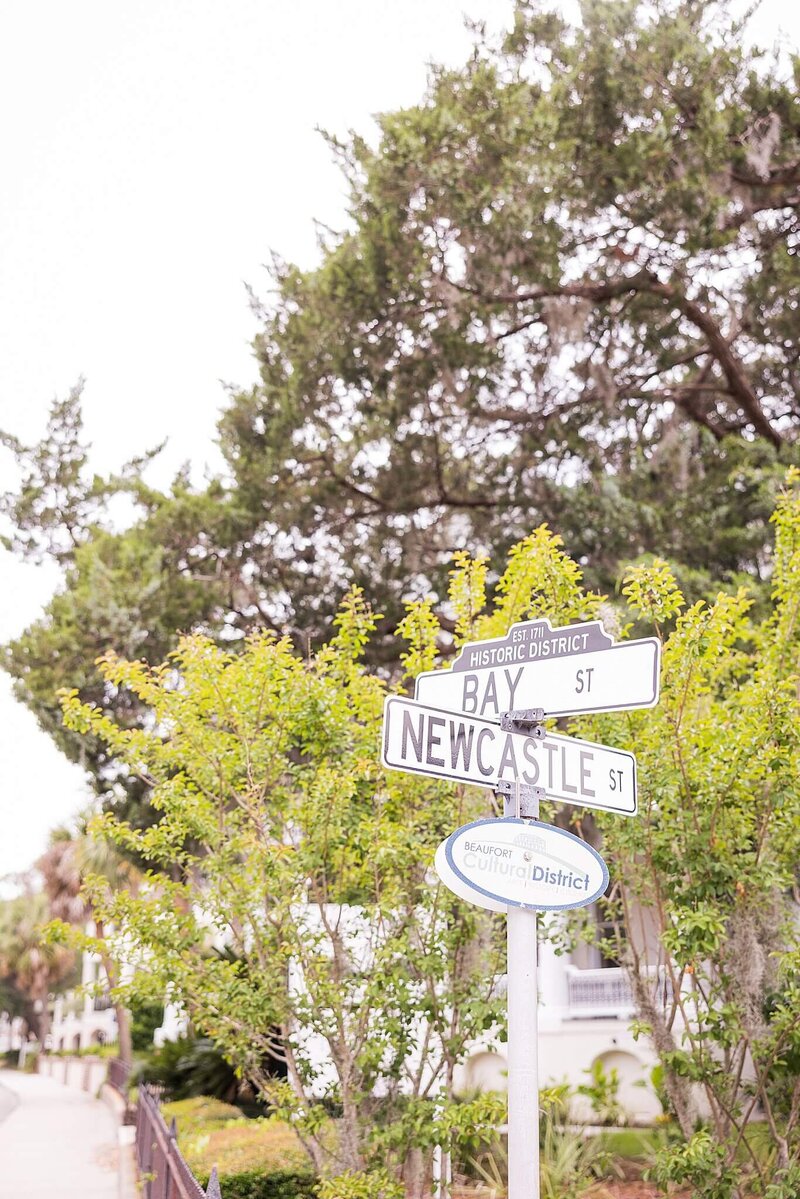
(126, 1135)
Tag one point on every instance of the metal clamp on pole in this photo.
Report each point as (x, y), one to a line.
(520, 799)
(529, 721)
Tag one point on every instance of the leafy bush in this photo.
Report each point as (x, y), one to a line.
(362, 1184)
(211, 1133)
(570, 1161)
(199, 1114)
(190, 1066)
(252, 1184)
(145, 1019)
(602, 1091)
(109, 1049)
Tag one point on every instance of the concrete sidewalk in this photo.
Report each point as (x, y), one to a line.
(8, 1101)
(55, 1142)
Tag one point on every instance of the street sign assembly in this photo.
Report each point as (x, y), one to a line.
(480, 723)
(426, 740)
(567, 671)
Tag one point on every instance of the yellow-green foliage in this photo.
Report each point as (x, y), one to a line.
(288, 832)
(211, 1133)
(199, 1114)
(373, 1184)
(282, 836)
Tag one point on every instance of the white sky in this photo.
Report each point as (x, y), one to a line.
(151, 156)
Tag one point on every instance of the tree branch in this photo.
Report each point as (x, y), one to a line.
(644, 282)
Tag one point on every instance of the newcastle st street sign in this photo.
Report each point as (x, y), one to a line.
(567, 671)
(447, 745)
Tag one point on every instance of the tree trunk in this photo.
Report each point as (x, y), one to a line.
(123, 1015)
(43, 1022)
(124, 1034)
(678, 1089)
(350, 1139)
(414, 1174)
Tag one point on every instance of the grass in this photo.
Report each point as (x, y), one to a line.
(212, 1133)
(632, 1144)
(110, 1049)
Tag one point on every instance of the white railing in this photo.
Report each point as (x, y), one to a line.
(607, 992)
(593, 993)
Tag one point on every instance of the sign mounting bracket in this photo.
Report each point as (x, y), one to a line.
(521, 799)
(529, 721)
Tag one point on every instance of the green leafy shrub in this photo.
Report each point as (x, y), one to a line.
(145, 1019)
(280, 1184)
(211, 1133)
(190, 1066)
(602, 1091)
(360, 1184)
(110, 1049)
(569, 1161)
(199, 1114)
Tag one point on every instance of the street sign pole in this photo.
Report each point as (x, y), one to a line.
(523, 1002)
(523, 1046)
(523, 1057)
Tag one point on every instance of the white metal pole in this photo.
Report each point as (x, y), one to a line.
(523, 1057)
(523, 1043)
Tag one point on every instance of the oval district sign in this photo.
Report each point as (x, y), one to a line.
(505, 862)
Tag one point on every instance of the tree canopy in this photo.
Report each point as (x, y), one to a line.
(566, 292)
(292, 913)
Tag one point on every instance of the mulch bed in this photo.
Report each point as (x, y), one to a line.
(632, 1190)
(604, 1190)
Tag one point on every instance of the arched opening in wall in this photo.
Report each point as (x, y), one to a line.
(76, 1041)
(98, 1037)
(635, 1092)
(486, 1072)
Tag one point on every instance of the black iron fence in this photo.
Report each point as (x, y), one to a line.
(163, 1173)
(118, 1075)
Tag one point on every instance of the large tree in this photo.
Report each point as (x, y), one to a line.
(566, 290)
(30, 968)
(307, 863)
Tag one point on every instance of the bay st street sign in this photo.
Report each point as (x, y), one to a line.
(425, 740)
(505, 863)
(567, 671)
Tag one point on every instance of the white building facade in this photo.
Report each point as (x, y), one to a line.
(83, 1019)
(585, 1014)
